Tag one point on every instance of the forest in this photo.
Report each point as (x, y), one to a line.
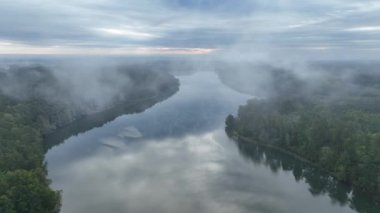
(23, 183)
(336, 127)
(28, 113)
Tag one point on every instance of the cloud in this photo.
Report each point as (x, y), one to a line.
(18, 48)
(364, 29)
(132, 34)
(204, 24)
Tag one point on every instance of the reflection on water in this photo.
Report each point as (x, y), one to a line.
(176, 157)
(84, 124)
(320, 183)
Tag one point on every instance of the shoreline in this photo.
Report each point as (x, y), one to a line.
(236, 136)
(294, 155)
(28, 124)
(98, 118)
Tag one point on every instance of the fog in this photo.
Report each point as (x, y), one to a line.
(86, 86)
(130, 103)
(94, 83)
(175, 156)
(181, 160)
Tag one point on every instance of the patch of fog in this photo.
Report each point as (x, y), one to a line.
(130, 132)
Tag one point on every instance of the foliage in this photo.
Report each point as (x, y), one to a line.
(34, 102)
(23, 183)
(341, 138)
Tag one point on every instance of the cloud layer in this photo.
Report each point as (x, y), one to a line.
(166, 26)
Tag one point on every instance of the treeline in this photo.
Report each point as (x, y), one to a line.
(338, 133)
(35, 102)
(23, 183)
(70, 94)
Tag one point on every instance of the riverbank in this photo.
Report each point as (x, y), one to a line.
(297, 157)
(293, 155)
(344, 142)
(100, 118)
(24, 186)
(24, 123)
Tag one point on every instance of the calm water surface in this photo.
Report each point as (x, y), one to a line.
(176, 158)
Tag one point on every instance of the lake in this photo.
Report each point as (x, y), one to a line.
(175, 157)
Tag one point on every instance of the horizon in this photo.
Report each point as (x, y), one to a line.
(256, 28)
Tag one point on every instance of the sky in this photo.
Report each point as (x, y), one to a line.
(190, 26)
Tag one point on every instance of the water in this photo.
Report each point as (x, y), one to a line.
(175, 157)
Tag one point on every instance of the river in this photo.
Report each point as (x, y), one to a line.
(176, 158)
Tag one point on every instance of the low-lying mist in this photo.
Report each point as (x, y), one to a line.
(85, 86)
(94, 85)
(332, 80)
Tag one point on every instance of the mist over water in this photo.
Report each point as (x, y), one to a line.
(129, 99)
(175, 157)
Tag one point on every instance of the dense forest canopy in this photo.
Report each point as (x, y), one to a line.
(335, 125)
(23, 183)
(35, 100)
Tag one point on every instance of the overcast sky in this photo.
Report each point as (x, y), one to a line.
(188, 26)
